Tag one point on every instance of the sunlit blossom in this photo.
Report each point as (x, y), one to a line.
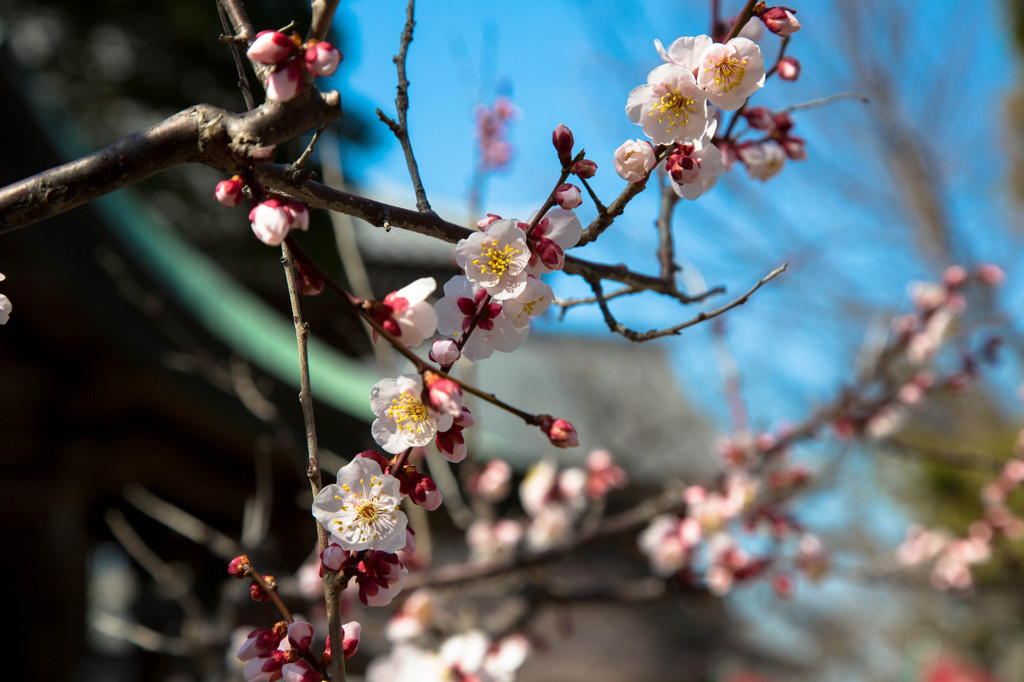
(403, 420)
(361, 510)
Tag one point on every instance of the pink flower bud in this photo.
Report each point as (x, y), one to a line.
(780, 20)
(482, 224)
(568, 196)
(759, 118)
(261, 641)
(561, 433)
(443, 395)
(271, 47)
(789, 68)
(796, 147)
(352, 632)
(426, 494)
(584, 168)
(990, 274)
(634, 160)
(284, 82)
(239, 566)
(229, 192)
(333, 558)
(299, 671)
(270, 222)
(954, 277)
(563, 141)
(322, 58)
(299, 215)
(300, 635)
(444, 352)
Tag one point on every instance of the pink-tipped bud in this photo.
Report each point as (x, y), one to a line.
(990, 274)
(561, 433)
(568, 196)
(443, 395)
(270, 222)
(796, 147)
(780, 20)
(257, 592)
(425, 493)
(954, 277)
(299, 215)
(563, 141)
(322, 58)
(271, 47)
(759, 118)
(261, 642)
(284, 82)
(789, 68)
(300, 635)
(350, 641)
(239, 566)
(229, 192)
(491, 218)
(444, 352)
(333, 558)
(584, 168)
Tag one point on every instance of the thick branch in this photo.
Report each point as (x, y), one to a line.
(203, 133)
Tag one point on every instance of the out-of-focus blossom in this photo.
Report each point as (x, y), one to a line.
(763, 160)
(229, 192)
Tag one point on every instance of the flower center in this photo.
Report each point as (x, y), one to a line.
(368, 519)
(674, 106)
(729, 71)
(495, 258)
(408, 413)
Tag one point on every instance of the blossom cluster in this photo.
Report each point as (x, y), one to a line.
(288, 56)
(952, 557)
(492, 133)
(284, 652)
(674, 110)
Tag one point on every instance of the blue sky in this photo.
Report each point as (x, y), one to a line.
(832, 217)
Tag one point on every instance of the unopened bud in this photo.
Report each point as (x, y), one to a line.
(584, 168)
(444, 352)
(239, 566)
(322, 58)
(780, 20)
(561, 433)
(270, 47)
(568, 196)
(350, 641)
(990, 274)
(482, 224)
(796, 147)
(563, 141)
(333, 558)
(284, 82)
(229, 192)
(789, 68)
(759, 118)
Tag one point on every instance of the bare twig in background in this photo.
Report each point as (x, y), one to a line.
(182, 522)
(401, 128)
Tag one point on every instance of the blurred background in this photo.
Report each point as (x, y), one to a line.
(150, 426)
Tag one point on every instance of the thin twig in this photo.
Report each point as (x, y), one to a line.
(619, 328)
(401, 128)
(666, 246)
(305, 394)
(182, 522)
(323, 15)
(173, 584)
(236, 53)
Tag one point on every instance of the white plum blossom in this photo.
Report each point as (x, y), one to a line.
(403, 420)
(557, 231)
(763, 160)
(731, 73)
(685, 51)
(494, 329)
(634, 160)
(406, 314)
(361, 510)
(670, 107)
(534, 300)
(496, 259)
